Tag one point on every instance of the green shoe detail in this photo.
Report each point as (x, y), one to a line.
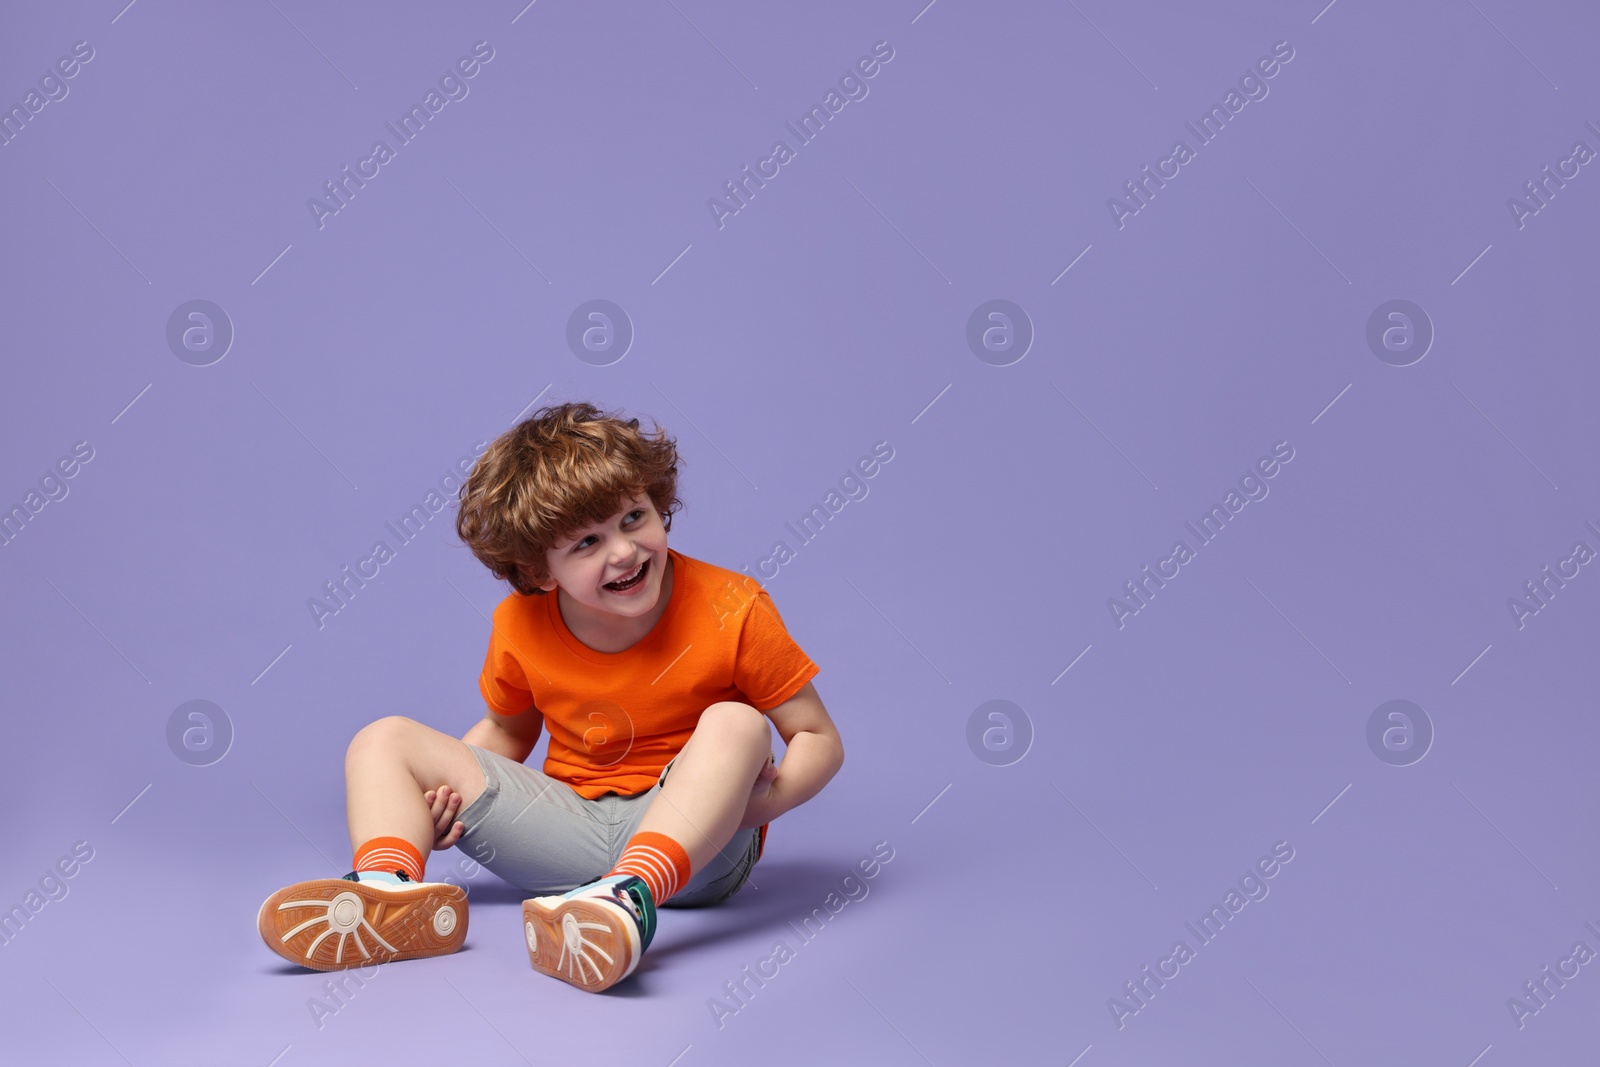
(633, 894)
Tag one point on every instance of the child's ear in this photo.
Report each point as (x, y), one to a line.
(548, 586)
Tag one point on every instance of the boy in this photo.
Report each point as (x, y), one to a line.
(643, 661)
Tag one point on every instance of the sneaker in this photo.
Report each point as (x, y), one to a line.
(370, 917)
(593, 936)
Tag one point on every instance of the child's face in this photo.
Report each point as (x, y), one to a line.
(611, 551)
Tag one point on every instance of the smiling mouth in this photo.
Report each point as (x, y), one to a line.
(622, 585)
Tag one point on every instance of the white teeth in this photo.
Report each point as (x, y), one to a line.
(629, 577)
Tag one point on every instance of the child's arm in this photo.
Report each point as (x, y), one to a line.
(511, 736)
(812, 755)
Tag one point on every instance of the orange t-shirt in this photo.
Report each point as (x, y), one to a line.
(616, 718)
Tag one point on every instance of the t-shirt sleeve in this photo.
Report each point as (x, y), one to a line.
(769, 667)
(503, 683)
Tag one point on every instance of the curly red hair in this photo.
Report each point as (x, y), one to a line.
(565, 467)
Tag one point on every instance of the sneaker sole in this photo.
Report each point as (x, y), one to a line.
(585, 943)
(330, 924)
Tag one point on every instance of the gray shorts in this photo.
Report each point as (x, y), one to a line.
(540, 835)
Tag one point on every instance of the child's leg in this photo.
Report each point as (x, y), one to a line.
(593, 936)
(706, 794)
(389, 764)
(373, 915)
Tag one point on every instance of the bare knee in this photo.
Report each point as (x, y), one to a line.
(388, 734)
(739, 725)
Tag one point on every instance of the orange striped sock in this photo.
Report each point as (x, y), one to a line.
(388, 854)
(658, 859)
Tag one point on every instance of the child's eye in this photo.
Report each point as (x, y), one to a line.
(585, 542)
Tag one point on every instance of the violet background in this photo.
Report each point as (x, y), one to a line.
(829, 314)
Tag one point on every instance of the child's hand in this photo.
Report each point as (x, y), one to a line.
(769, 771)
(444, 803)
